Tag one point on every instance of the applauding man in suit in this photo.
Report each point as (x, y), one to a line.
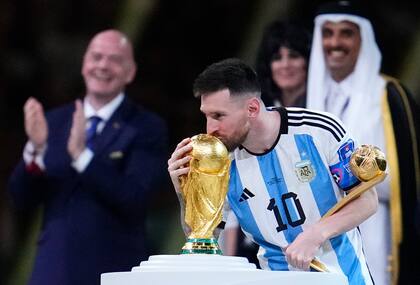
(93, 165)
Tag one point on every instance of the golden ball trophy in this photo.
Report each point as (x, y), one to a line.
(204, 190)
(368, 164)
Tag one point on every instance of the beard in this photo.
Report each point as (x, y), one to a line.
(235, 140)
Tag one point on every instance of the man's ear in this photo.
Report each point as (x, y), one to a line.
(131, 73)
(253, 107)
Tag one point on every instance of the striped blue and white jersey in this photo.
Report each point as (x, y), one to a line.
(277, 194)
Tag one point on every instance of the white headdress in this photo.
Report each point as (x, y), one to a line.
(364, 111)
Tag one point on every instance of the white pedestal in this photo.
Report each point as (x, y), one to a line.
(204, 269)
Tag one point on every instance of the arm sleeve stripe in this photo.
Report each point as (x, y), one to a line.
(336, 136)
(315, 118)
(316, 114)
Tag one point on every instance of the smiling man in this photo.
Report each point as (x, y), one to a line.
(341, 44)
(281, 176)
(93, 165)
(344, 79)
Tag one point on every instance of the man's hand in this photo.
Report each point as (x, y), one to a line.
(178, 163)
(302, 250)
(177, 166)
(77, 140)
(36, 126)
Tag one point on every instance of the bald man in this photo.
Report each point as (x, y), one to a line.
(92, 165)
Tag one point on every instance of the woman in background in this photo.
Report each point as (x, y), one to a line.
(282, 63)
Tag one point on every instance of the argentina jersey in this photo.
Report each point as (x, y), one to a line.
(277, 194)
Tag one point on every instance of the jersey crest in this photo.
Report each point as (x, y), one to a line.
(304, 170)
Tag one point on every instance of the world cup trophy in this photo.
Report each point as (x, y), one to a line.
(204, 190)
(368, 164)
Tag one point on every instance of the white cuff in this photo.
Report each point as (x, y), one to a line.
(29, 155)
(83, 160)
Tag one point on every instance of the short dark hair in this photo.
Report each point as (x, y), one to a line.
(232, 74)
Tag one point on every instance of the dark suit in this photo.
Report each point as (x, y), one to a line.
(94, 221)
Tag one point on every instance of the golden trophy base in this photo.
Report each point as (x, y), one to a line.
(201, 246)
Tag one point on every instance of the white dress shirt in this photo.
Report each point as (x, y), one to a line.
(86, 156)
(338, 96)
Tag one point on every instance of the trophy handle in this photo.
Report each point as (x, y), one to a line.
(318, 265)
(355, 193)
